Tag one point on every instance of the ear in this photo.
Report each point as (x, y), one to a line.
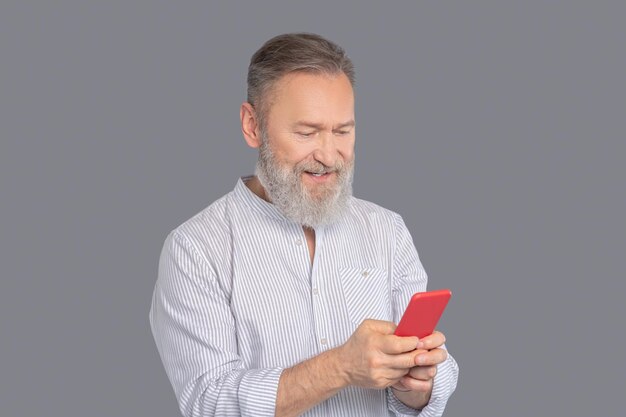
(250, 125)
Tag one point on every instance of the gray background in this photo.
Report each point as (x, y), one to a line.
(497, 129)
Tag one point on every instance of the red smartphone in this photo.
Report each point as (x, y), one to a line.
(423, 312)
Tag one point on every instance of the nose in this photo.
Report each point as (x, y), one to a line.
(326, 151)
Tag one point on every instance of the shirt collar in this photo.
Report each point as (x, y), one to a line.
(244, 194)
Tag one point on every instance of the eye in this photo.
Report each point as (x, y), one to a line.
(306, 135)
(343, 132)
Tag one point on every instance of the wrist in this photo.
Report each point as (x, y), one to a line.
(413, 399)
(339, 366)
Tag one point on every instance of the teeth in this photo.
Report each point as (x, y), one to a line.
(317, 174)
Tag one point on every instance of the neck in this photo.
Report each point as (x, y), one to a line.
(255, 186)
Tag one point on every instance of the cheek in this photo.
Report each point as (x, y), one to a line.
(300, 157)
(293, 155)
(347, 150)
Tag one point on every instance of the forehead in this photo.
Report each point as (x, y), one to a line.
(320, 98)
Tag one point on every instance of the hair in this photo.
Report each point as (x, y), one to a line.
(292, 52)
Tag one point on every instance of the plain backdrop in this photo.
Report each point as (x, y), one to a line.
(496, 129)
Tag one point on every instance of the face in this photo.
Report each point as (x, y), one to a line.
(306, 159)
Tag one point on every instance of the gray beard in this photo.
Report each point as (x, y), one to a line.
(286, 190)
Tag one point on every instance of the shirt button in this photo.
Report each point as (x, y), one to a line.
(365, 273)
(299, 242)
(324, 341)
(315, 291)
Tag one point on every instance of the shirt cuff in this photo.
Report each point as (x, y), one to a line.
(399, 408)
(444, 385)
(257, 392)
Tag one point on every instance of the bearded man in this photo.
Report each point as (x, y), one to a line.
(281, 298)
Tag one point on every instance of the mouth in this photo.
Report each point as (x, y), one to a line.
(319, 177)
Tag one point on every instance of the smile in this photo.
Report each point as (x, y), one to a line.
(319, 177)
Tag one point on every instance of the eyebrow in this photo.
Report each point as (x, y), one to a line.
(319, 126)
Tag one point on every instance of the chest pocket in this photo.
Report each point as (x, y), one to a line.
(366, 291)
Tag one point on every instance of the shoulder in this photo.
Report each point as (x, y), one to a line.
(208, 231)
(213, 216)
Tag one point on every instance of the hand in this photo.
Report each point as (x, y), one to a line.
(373, 357)
(428, 356)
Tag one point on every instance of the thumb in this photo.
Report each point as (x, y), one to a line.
(380, 326)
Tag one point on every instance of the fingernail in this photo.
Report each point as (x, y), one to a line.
(420, 345)
(420, 359)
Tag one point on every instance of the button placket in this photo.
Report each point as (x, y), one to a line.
(319, 301)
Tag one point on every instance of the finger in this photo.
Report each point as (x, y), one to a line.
(399, 386)
(432, 341)
(394, 345)
(417, 384)
(395, 374)
(432, 357)
(380, 326)
(423, 373)
(404, 360)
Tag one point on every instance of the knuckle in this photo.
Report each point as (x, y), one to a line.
(422, 375)
(381, 384)
(378, 380)
(374, 362)
(365, 326)
(423, 386)
(412, 384)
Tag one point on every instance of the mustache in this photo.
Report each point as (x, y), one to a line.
(319, 168)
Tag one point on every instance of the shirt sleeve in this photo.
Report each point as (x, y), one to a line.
(194, 331)
(409, 277)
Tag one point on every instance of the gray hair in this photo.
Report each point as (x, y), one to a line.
(291, 52)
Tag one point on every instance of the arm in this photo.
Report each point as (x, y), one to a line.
(195, 334)
(309, 383)
(194, 331)
(371, 358)
(409, 277)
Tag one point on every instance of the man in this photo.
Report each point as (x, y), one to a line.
(280, 298)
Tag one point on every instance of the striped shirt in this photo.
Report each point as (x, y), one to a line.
(237, 300)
